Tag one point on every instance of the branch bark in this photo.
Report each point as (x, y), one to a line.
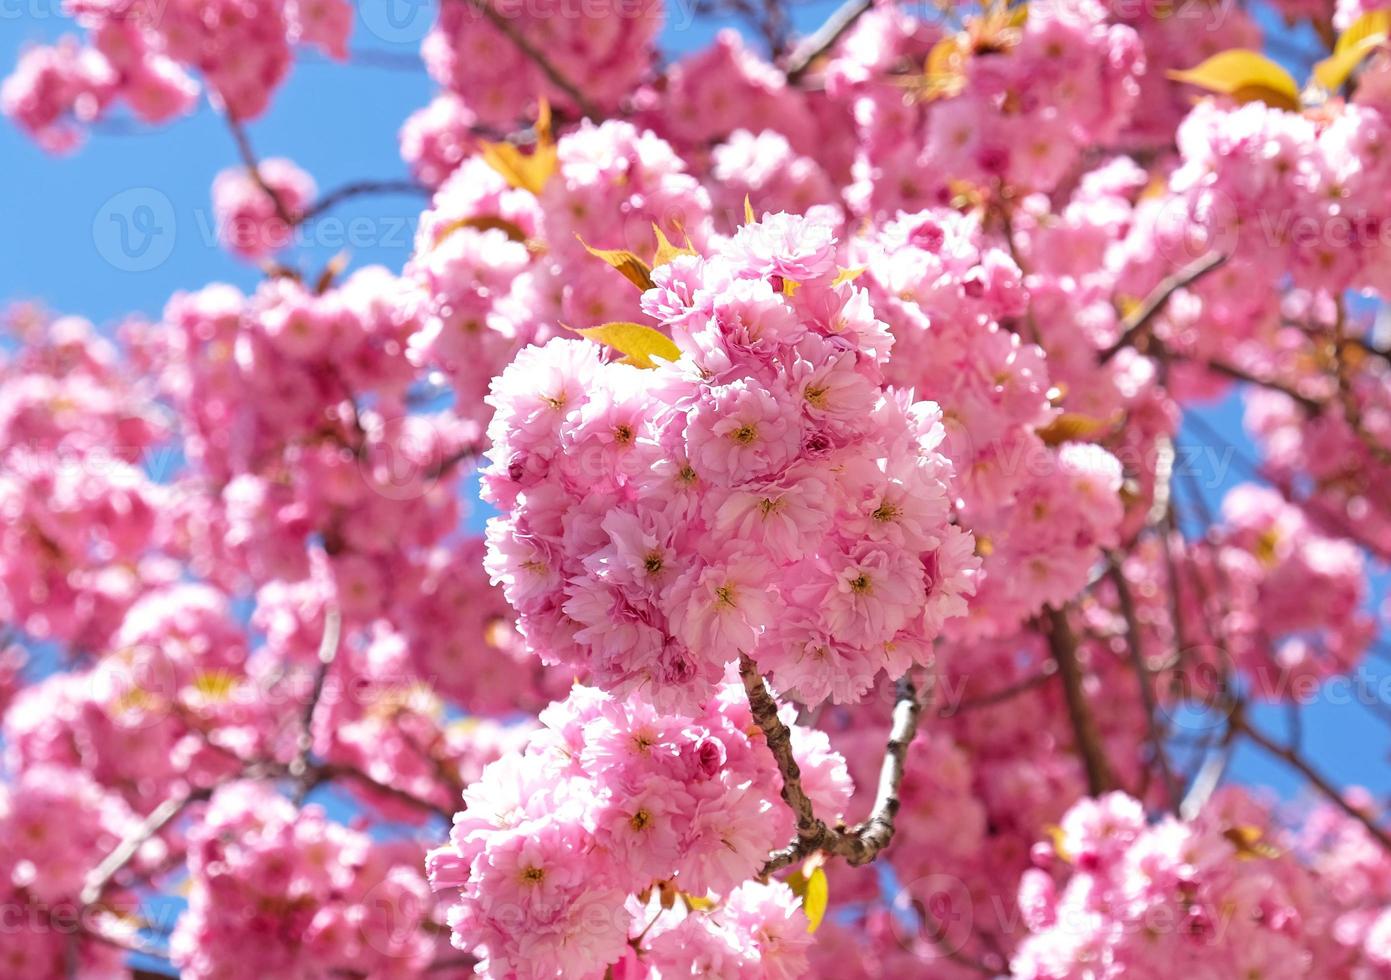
(126, 850)
(1315, 778)
(536, 56)
(1142, 675)
(1063, 646)
(860, 844)
(825, 37)
(1154, 303)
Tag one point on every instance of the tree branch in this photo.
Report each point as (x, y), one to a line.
(825, 37)
(361, 188)
(122, 854)
(1154, 303)
(328, 652)
(1142, 675)
(1063, 646)
(253, 167)
(1315, 778)
(536, 55)
(811, 832)
(862, 843)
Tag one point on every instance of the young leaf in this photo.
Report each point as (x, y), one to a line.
(521, 170)
(640, 343)
(632, 268)
(848, 275)
(814, 891)
(1246, 76)
(666, 251)
(1365, 35)
(1071, 427)
(749, 218)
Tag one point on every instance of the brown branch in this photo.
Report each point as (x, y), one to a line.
(1315, 778)
(1143, 676)
(811, 832)
(361, 188)
(536, 55)
(253, 167)
(1044, 674)
(330, 771)
(1310, 405)
(862, 843)
(130, 845)
(328, 652)
(1139, 320)
(825, 37)
(1063, 646)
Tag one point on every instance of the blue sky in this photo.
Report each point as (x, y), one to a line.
(123, 223)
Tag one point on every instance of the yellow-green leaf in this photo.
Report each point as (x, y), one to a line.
(1246, 76)
(666, 251)
(640, 343)
(697, 903)
(848, 275)
(1070, 427)
(1055, 833)
(1365, 35)
(632, 268)
(1249, 843)
(814, 891)
(483, 222)
(525, 171)
(749, 218)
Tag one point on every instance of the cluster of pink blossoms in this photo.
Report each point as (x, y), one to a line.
(765, 494)
(559, 850)
(141, 52)
(334, 899)
(608, 46)
(1213, 896)
(249, 222)
(986, 201)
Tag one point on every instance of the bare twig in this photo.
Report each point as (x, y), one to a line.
(1310, 405)
(1142, 675)
(332, 771)
(1063, 646)
(825, 37)
(361, 188)
(1154, 303)
(1045, 673)
(538, 57)
(130, 845)
(811, 832)
(862, 843)
(328, 652)
(253, 167)
(1320, 782)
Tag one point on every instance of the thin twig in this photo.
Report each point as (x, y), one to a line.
(825, 37)
(361, 188)
(333, 771)
(1310, 405)
(810, 831)
(536, 55)
(862, 843)
(328, 652)
(1139, 320)
(1063, 646)
(253, 167)
(1315, 778)
(122, 854)
(1143, 677)
(1047, 672)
